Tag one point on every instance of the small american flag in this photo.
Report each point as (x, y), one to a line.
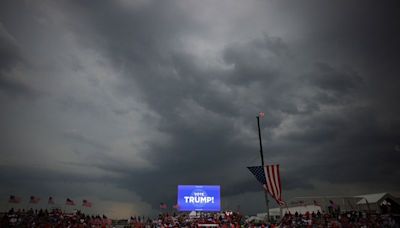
(50, 201)
(271, 182)
(261, 114)
(176, 206)
(86, 203)
(163, 206)
(34, 199)
(69, 202)
(14, 199)
(333, 205)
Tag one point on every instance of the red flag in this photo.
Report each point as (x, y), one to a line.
(163, 206)
(34, 199)
(69, 202)
(50, 201)
(14, 199)
(86, 203)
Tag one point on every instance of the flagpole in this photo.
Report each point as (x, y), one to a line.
(262, 164)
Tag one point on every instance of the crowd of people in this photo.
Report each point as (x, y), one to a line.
(54, 218)
(352, 219)
(59, 219)
(185, 220)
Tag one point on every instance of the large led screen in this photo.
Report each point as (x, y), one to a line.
(199, 198)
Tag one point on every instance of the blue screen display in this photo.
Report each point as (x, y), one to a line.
(199, 198)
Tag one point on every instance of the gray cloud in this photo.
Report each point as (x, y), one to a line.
(329, 79)
(10, 57)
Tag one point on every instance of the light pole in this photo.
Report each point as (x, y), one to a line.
(262, 164)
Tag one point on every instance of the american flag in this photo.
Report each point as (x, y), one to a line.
(69, 202)
(34, 199)
(333, 205)
(271, 182)
(261, 114)
(50, 201)
(86, 203)
(176, 206)
(163, 206)
(14, 199)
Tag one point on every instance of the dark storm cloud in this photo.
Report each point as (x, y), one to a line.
(15, 88)
(330, 116)
(202, 153)
(10, 57)
(254, 61)
(9, 53)
(204, 145)
(329, 79)
(358, 29)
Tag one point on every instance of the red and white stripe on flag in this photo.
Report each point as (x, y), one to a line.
(86, 203)
(273, 185)
(14, 199)
(50, 201)
(34, 199)
(69, 202)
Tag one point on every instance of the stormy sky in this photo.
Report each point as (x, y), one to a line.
(120, 101)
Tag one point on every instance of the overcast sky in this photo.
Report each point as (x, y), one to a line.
(118, 102)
